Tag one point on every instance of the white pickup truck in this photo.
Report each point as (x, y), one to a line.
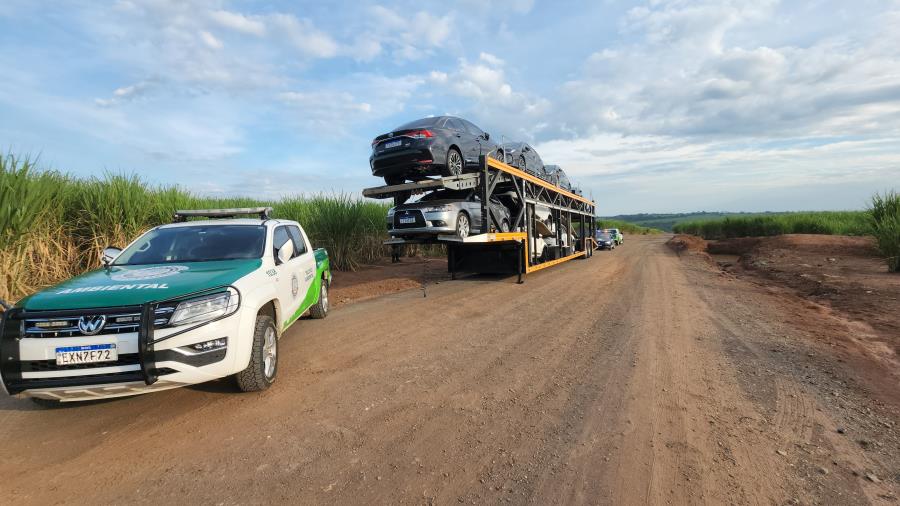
(185, 303)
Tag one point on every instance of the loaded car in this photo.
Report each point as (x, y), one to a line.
(435, 146)
(557, 176)
(444, 212)
(524, 157)
(184, 303)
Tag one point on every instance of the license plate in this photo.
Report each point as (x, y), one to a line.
(87, 354)
(393, 144)
(407, 219)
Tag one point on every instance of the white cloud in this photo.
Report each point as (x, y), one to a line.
(210, 40)
(304, 36)
(239, 22)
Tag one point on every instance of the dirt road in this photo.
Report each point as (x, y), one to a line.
(636, 377)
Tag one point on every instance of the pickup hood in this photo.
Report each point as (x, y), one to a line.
(128, 285)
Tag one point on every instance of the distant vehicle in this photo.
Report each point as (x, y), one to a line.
(605, 240)
(557, 176)
(524, 157)
(617, 235)
(185, 303)
(436, 146)
(443, 212)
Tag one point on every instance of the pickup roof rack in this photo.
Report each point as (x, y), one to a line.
(183, 215)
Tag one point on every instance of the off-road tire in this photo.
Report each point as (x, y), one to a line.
(453, 168)
(253, 378)
(319, 310)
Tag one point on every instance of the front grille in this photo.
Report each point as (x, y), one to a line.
(116, 323)
(50, 365)
(419, 220)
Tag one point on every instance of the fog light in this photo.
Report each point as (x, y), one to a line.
(212, 345)
(438, 223)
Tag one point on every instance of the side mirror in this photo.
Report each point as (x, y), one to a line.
(285, 252)
(109, 254)
(487, 136)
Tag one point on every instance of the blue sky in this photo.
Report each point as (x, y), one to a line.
(650, 106)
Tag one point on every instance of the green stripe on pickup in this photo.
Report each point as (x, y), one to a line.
(323, 270)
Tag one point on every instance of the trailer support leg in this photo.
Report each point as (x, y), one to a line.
(451, 260)
(521, 261)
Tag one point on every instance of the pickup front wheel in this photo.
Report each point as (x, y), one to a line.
(260, 372)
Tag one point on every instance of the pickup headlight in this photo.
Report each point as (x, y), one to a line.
(208, 307)
(438, 209)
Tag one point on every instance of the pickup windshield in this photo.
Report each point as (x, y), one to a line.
(195, 244)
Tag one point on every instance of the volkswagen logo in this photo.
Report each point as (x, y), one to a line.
(90, 325)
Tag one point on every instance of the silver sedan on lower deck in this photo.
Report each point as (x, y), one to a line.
(444, 212)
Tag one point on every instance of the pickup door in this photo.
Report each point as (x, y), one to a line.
(295, 277)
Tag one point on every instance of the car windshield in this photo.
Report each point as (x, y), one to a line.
(195, 244)
(603, 235)
(420, 123)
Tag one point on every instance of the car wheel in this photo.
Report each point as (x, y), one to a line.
(392, 180)
(260, 372)
(504, 226)
(319, 310)
(523, 164)
(463, 227)
(454, 162)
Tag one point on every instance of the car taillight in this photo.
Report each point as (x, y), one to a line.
(374, 142)
(420, 134)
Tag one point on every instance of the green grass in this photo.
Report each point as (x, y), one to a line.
(822, 222)
(885, 222)
(53, 226)
(626, 227)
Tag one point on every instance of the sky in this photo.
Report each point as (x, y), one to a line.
(649, 106)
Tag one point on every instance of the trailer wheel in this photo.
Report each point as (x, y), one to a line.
(260, 372)
(463, 226)
(319, 310)
(454, 162)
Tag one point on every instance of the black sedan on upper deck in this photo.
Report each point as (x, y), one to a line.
(524, 157)
(436, 146)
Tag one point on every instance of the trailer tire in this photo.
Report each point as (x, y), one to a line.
(259, 375)
(463, 225)
(455, 162)
(319, 310)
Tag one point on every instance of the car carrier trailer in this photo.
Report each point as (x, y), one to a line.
(545, 221)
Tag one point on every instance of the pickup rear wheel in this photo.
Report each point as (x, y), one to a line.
(260, 372)
(320, 309)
